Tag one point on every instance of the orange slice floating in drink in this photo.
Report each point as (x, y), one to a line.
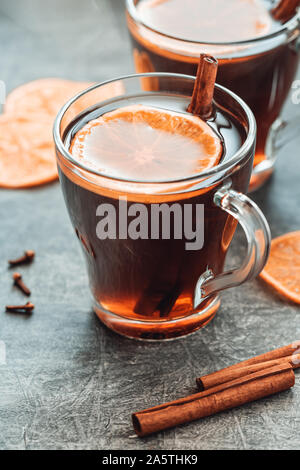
(282, 270)
(145, 143)
(199, 20)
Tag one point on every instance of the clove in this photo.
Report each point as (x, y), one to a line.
(26, 258)
(20, 283)
(27, 308)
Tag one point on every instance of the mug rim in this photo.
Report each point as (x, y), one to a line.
(290, 25)
(218, 169)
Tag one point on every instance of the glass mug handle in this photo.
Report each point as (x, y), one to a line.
(283, 131)
(258, 235)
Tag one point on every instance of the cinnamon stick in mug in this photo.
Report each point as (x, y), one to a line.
(207, 381)
(203, 93)
(224, 397)
(285, 10)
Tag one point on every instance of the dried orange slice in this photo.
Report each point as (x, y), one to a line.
(26, 150)
(282, 270)
(27, 156)
(46, 95)
(143, 142)
(185, 19)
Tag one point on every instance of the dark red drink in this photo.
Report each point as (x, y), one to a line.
(168, 36)
(128, 158)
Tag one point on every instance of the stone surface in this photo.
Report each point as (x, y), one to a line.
(70, 383)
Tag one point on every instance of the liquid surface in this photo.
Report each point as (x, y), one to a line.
(151, 279)
(111, 151)
(146, 143)
(209, 21)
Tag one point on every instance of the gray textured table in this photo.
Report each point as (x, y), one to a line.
(68, 382)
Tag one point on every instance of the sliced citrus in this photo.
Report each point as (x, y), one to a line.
(200, 20)
(147, 143)
(27, 156)
(26, 150)
(282, 270)
(46, 95)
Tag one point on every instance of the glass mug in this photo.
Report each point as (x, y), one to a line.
(156, 289)
(260, 71)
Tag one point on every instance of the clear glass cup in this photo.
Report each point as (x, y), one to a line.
(260, 71)
(130, 278)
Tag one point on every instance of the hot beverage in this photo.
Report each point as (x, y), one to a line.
(152, 231)
(257, 54)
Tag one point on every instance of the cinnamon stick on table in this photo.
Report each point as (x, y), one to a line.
(286, 354)
(223, 376)
(224, 397)
(285, 10)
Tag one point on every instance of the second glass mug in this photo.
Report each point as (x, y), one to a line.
(260, 71)
(128, 278)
